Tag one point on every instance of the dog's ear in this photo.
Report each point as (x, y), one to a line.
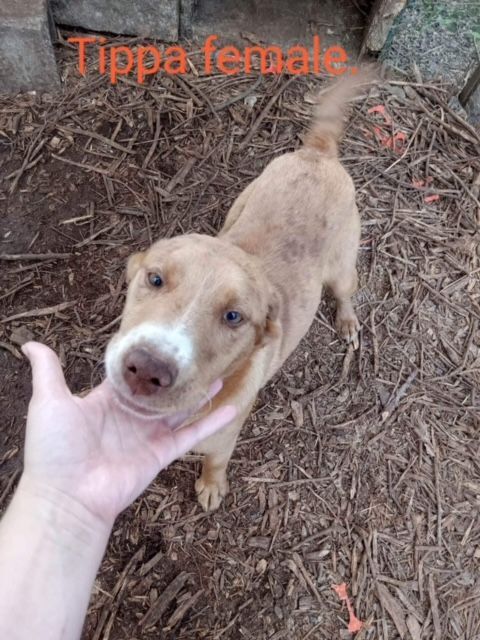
(133, 264)
(271, 327)
(271, 322)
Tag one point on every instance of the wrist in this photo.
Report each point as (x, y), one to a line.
(50, 549)
(63, 518)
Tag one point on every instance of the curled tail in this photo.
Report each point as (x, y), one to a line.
(327, 125)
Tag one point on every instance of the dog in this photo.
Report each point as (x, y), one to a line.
(235, 306)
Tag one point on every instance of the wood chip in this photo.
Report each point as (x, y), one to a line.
(162, 603)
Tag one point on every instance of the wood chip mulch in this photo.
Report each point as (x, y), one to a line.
(356, 467)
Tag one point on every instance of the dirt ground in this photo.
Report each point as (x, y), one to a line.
(358, 467)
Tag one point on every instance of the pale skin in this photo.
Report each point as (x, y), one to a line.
(86, 460)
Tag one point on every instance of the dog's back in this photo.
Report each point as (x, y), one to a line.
(201, 308)
(299, 217)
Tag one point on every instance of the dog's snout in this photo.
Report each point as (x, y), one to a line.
(147, 374)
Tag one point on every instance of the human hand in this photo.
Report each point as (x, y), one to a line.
(90, 449)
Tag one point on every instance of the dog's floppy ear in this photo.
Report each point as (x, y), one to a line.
(134, 263)
(271, 324)
(270, 328)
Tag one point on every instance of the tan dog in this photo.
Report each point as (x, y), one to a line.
(234, 307)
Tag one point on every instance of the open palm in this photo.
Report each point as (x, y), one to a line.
(91, 449)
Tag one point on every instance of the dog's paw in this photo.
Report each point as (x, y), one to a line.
(210, 494)
(348, 326)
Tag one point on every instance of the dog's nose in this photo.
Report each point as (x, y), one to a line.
(146, 374)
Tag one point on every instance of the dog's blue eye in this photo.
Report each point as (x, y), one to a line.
(155, 280)
(233, 318)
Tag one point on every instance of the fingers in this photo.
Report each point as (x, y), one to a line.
(187, 437)
(47, 374)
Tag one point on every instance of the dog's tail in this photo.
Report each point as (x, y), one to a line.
(327, 125)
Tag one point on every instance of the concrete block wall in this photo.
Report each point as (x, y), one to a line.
(148, 18)
(27, 60)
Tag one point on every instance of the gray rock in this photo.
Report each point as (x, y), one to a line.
(149, 18)
(27, 60)
(473, 108)
(435, 39)
(380, 23)
(186, 18)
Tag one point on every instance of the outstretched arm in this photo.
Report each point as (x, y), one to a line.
(85, 461)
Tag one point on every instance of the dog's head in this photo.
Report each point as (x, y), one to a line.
(197, 308)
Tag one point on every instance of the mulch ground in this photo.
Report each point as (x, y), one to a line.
(358, 467)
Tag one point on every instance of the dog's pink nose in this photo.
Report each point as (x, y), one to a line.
(146, 374)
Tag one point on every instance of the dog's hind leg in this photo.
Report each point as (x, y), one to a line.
(346, 321)
(342, 279)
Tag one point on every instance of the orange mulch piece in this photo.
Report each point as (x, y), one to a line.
(395, 141)
(417, 183)
(424, 183)
(354, 624)
(380, 108)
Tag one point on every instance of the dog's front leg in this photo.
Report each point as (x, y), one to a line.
(212, 485)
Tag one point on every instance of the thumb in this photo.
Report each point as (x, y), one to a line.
(47, 374)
